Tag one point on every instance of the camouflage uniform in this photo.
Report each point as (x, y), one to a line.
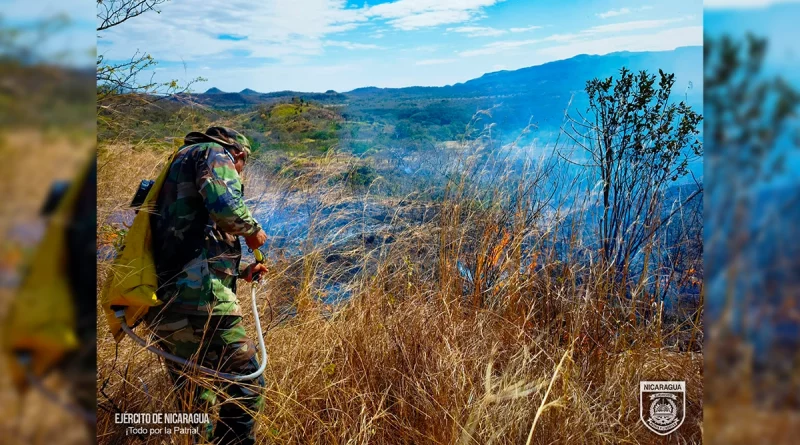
(199, 216)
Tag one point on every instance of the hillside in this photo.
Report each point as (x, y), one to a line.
(420, 115)
(221, 100)
(293, 126)
(562, 75)
(539, 93)
(373, 119)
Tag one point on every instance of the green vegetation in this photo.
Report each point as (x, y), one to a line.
(358, 176)
(136, 121)
(296, 126)
(639, 142)
(293, 127)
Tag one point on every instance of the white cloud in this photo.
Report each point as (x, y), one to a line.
(191, 30)
(525, 29)
(478, 31)
(622, 11)
(430, 19)
(590, 35)
(435, 61)
(614, 13)
(563, 37)
(350, 45)
(413, 14)
(632, 26)
(483, 31)
(574, 44)
(665, 40)
(274, 28)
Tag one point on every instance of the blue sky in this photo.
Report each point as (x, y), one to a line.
(316, 45)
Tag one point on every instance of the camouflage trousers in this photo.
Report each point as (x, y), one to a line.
(217, 342)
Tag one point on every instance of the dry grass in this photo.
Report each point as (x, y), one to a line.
(540, 346)
(745, 405)
(735, 424)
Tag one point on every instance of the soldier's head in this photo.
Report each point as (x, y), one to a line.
(233, 141)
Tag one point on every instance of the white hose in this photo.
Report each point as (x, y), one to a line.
(180, 360)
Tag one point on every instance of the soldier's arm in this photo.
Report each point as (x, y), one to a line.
(221, 188)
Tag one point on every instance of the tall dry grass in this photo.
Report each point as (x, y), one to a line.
(476, 313)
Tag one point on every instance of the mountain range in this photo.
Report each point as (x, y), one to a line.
(567, 74)
(537, 94)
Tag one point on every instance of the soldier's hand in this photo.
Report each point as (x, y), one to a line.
(256, 240)
(254, 270)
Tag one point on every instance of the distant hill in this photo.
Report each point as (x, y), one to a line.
(538, 94)
(685, 62)
(294, 126)
(572, 73)
(543, 92)
(562, 76)
(246, 98)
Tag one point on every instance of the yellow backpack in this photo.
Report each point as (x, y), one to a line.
(41, 319)
(133, 281)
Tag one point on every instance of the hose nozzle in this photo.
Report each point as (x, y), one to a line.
(260, 259)
(119, 311)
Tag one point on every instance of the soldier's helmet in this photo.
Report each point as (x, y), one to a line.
(229, 137)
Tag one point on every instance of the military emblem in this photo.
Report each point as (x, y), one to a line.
(662, 405)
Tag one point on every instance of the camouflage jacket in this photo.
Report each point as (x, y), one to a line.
(199, 216)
